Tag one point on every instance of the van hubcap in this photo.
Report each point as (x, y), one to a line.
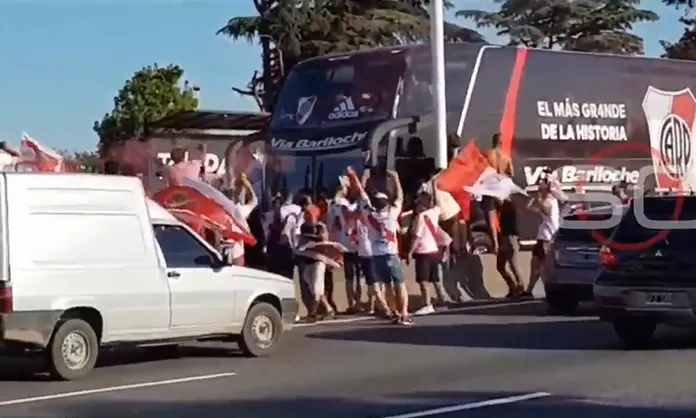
(75, 350)
(263, 331)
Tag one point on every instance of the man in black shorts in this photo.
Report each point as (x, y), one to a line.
(508, 246)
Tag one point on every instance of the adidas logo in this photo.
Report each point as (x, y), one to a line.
(345, 110)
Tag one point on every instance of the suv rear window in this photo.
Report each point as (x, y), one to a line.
(659, 208)
(584, 235)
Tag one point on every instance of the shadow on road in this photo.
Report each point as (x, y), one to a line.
(25, 369)
(309, 406)
(536, 308)
(575, 335)
(587, 334)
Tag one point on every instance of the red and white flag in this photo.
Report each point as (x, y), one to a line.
(202, 206)
(471, 171)
(38, 155)
(329, 252)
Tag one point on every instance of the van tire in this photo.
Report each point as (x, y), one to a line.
(261, 319)
(635, 333)
(83, 335)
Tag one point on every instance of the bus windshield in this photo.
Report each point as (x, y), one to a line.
(349, 88)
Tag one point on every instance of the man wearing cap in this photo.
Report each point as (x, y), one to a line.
(380, 225)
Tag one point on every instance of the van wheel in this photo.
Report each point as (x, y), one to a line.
(262, 330)
(560, 302)
(635, 333)
(72, 352)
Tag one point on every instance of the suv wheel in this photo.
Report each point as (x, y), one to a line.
(635, 333)
(263, 328)
(561, 302)
(72, 351)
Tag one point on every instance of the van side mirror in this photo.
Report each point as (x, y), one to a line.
(225, 253)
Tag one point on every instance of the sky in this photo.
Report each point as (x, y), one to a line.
(62, 61)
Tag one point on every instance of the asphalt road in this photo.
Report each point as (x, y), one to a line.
(511, 361)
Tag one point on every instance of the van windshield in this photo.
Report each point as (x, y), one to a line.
(333, 90)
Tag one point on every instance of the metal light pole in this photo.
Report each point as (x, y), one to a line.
(437, 49)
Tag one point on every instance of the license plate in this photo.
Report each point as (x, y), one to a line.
(659, 299)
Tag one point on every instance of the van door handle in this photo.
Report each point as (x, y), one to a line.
(173, 274)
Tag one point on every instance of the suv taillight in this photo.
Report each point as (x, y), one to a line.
(607, 258)
(5, 298)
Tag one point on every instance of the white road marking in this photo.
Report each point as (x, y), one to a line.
(473, 405)
(462, 309)
(114, 389)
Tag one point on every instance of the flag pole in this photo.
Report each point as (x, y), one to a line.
(437, 49)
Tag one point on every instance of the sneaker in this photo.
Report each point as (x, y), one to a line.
(527, 295)
(405, 322)
(425, 310)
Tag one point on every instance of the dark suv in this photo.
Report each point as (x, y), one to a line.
(648, 276)
(569, 278)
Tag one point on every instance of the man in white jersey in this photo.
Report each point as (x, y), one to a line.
(381, 225)
(547, 205)
(343, 229)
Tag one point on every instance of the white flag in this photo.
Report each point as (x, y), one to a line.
(491, 183)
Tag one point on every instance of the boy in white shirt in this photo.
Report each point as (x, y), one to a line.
(380, 225)
(428, 242)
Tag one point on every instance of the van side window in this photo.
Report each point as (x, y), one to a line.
(181, 249)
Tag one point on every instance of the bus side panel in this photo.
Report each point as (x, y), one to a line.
(583, 115)
(559, 122)
(488, 96)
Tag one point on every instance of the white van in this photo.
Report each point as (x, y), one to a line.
(88, 261)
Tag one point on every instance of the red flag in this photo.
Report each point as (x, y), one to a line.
(200, 205)
(44, 159)
(464, 170)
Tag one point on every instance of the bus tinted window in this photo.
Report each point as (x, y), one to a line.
(335, 90)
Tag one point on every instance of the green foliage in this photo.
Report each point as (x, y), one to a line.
(574, 25)
(150, 94)
(292, 30)
(685, 47)
(679, 3)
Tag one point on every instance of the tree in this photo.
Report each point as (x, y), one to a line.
(679, 3)
(150, 94)
(574, 25)
(685, 47)
(290, 31)
(81, 161)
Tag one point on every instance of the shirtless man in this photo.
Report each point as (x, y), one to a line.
(499, 160)
(502, 163)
